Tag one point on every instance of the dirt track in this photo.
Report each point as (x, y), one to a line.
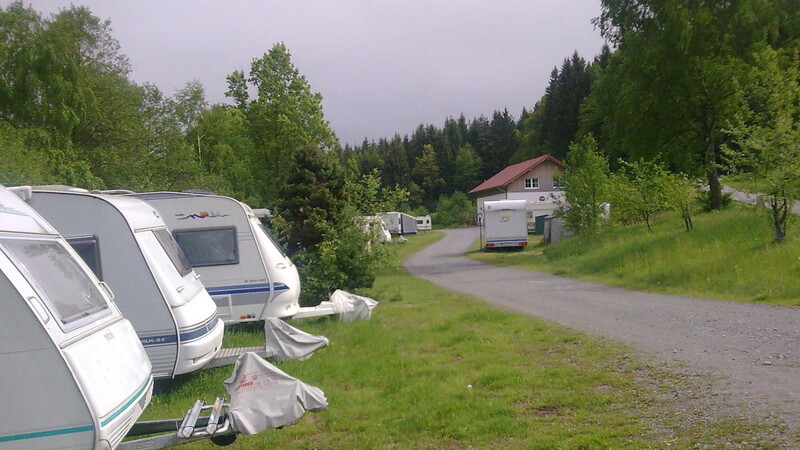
(754, 348)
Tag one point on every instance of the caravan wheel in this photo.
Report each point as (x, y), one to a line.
(223, 440)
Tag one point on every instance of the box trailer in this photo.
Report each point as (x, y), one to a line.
(127, 245)
(400, 223)
(73, 373)
(504, 224)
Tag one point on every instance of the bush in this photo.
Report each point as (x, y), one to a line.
(454, 211)
(343, 260)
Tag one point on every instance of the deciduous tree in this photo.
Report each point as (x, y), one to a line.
(768, 139)
(586, 183)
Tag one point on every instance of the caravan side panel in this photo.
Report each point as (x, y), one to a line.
(43, 391)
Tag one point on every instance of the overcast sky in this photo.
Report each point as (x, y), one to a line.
(382, 67)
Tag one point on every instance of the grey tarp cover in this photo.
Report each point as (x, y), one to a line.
(263, 397)
(285, 342)
(352, 307)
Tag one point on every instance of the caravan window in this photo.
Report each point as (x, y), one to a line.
(60, 280)
(271, 237)
(209, 246)
(173, 251)
(89, 250)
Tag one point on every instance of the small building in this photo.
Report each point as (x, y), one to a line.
(534, 180)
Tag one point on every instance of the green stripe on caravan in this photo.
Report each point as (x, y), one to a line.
(48, 433)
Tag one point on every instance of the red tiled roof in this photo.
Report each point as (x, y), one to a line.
(512, 172)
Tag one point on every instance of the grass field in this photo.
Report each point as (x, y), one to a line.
(434, 370)
(729, 255)
(745, 182)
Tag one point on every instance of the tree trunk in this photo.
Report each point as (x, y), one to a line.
(714, 186)
(779, 215)
(687, 221)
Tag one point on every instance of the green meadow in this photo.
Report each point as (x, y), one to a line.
(433, 369)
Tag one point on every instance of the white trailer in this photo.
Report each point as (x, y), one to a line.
(243, 267)
(424, 223)
(504, 224)
(73, 374)
(127, 244)
(374, 228)
(399, 223)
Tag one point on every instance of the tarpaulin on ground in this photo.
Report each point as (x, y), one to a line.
(285, 342)
(263, 397)
(350, 307)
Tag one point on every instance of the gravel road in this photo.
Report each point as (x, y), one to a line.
(755, 349)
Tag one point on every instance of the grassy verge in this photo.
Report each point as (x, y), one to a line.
(729, 255)
(433, 369)
(745, 182)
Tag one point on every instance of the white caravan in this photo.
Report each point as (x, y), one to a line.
(505, 224)
(243, 267)
(374, 228)
(72, 371)
(424, 223)
(400, 223)
(128, 246)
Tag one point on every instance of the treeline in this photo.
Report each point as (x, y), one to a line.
(438, 161)
(70, 114)
(694, 85)
(703, 87)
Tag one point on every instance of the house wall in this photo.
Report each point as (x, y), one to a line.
(534, 203)
(544, 200)
(489, 198)
(544, 172)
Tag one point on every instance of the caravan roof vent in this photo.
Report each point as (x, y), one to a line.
(23, 192)
(262, 213)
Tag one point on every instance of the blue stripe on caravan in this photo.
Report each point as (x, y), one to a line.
(200, 332)
(246, 288)
(152, 341)
(40, 434)
(128, 404)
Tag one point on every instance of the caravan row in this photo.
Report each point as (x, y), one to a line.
(178, 284)
(101, 297)
(73, 371)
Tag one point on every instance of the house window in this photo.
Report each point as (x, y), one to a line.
(531, 183)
